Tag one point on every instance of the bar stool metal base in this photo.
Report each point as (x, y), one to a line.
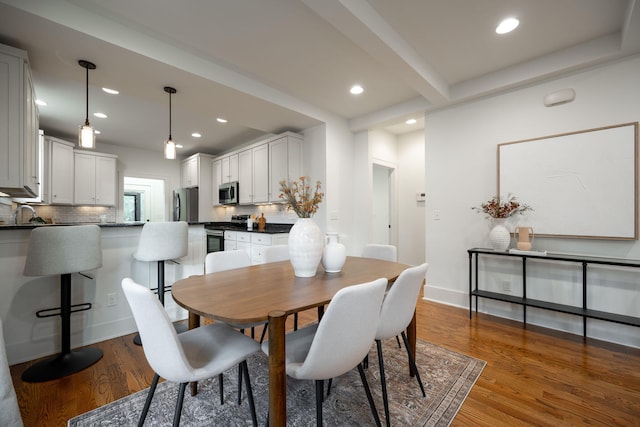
(62, 365)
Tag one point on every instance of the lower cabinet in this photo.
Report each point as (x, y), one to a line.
(253, 243)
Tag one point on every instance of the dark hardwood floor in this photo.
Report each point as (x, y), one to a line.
(534, 376)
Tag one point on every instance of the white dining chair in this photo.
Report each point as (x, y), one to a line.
(380, 251)
(278, 253)
(396, 313)
(329, 349)
(228, 260)
(9, 409)
(191, 356)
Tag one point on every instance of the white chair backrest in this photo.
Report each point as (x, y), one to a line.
(63, 249)
(275, 253)
(346, 332)
(400, 302)
(9, 409)
(160, 341)
(161, 241)
(379, 251)
(226, 260)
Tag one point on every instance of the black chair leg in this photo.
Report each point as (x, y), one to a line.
(413, 363)
(329, 386)
(147, 402)
(264, 331)
(319, 400)
(221, 388)
(247, 384)
(398, 340)
(383, 381)
(239, 384)
(367, 390)
(176, 415)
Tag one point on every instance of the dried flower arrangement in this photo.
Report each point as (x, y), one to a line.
(495, 208)
(300, 197)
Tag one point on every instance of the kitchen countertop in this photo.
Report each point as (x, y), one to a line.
(222, 225)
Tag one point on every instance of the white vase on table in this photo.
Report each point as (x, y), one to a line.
(499, 236)
(306, 244)
(334, 254)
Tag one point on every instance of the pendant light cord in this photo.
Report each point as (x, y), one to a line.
(86, 119)
(170, 139)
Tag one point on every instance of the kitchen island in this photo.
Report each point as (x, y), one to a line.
(28, 337)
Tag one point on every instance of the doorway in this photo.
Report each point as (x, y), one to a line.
(383, 214)
(144, 199)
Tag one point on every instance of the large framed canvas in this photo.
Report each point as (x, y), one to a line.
(581, 184)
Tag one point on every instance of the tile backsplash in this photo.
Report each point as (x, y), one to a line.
(60, 214)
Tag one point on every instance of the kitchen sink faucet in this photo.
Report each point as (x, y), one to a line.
(15, 213)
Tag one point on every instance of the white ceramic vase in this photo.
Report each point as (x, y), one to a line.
(306, 244)
(499, 237)
(334, 254)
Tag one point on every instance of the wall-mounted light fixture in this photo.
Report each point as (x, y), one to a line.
(87, 136)
(169, 145)
(559, 97)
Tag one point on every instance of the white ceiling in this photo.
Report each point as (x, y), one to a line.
(274, 65)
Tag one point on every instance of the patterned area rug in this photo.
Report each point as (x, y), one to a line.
(447, 377)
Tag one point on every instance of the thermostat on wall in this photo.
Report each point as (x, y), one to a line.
(421, 197)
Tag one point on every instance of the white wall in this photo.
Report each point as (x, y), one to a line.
(411, 213)
(460, 158)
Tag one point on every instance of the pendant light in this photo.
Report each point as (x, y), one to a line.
(87, 136)
(169, 145)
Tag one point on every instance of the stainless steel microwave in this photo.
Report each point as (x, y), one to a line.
(228, 193)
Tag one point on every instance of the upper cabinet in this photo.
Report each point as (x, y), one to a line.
(95, 178)
(19, 162)
(285, 162)
(253, 175)
(58, 171)
(189, 172)
(195, 171)
(229, 165)
(259, 168)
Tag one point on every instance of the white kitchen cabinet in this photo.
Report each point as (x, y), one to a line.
(216, 180)
(260, 241)
(229, 165)
(94, 178)
(19, 162)
(196, 172)
(189, 172)
(253, 175)
(58, 171)
(253, 242)
(285, 163)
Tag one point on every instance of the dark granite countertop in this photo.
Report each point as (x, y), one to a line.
(100, 224)
(222, 225)
(271, 228)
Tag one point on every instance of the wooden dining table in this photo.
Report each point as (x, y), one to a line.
(271, 292)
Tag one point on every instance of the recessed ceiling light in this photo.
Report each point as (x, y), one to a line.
(100, 115)
(196, 135)
(411, 122)
(221, 120)
(110, 91)
(179, 145)
(507, 25)
(356, 89)
(96, 131)
(41, 102)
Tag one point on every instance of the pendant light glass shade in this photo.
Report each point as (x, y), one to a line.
(169, 145)
(87, 136)
(169, 150)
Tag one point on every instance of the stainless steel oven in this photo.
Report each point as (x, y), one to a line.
(215, 240)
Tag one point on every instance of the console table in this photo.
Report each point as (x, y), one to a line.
(583, 311)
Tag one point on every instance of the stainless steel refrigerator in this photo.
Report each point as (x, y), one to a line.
(185, 204)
